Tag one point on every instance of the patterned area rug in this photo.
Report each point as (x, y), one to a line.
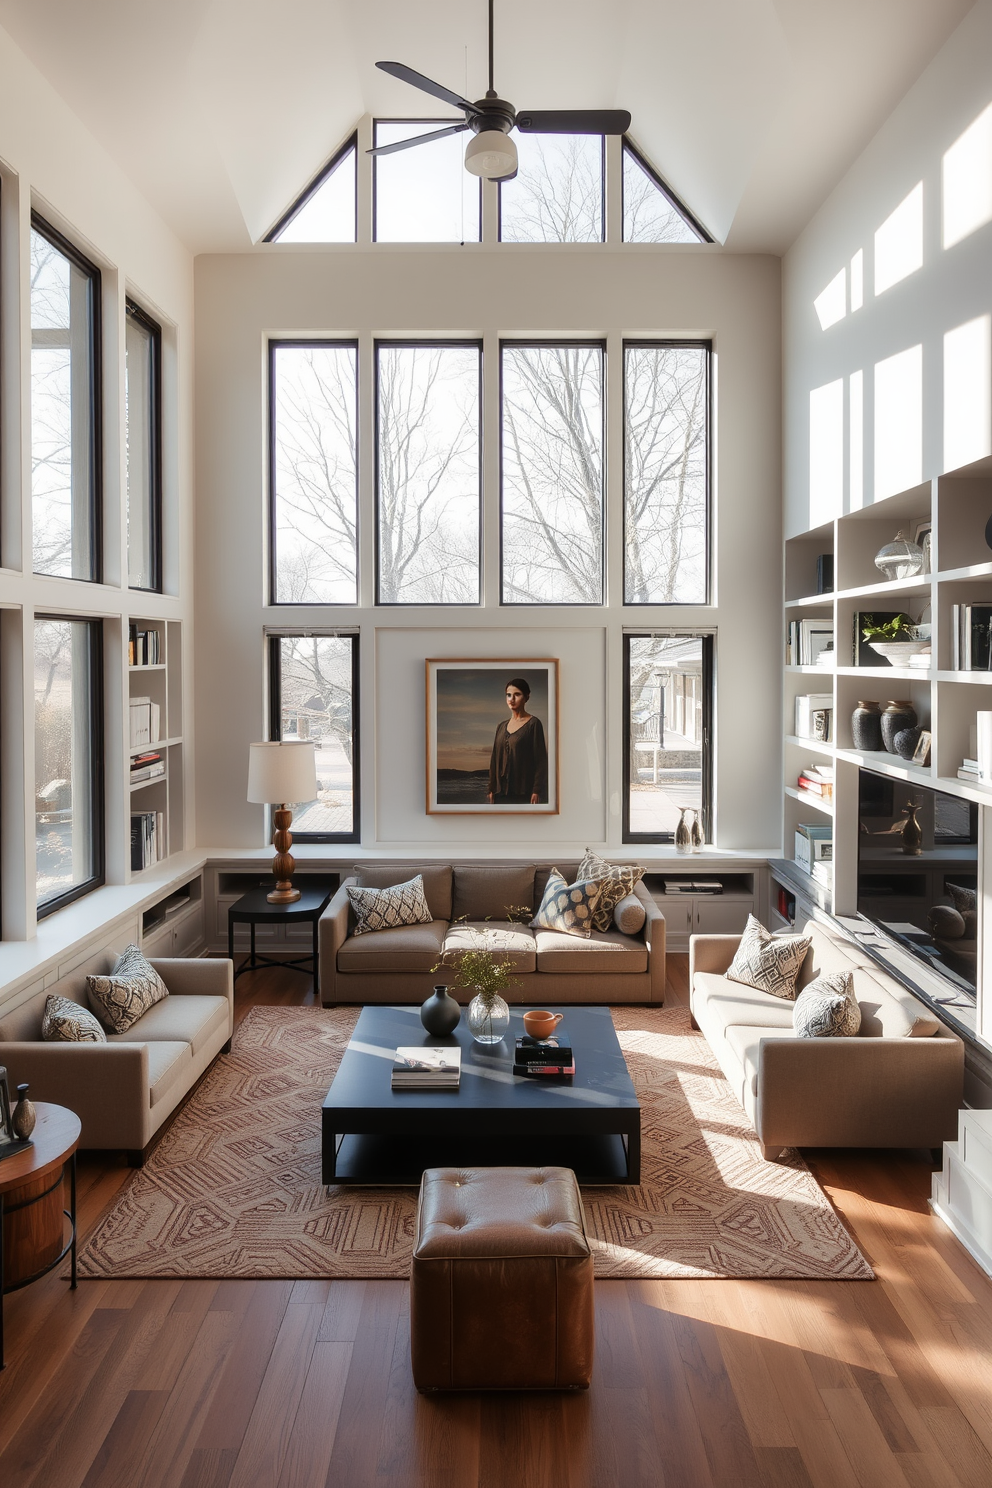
(233, 1189)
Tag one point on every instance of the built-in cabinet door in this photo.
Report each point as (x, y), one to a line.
(719, 916)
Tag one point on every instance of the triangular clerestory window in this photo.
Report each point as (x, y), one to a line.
(651, 212)
(327, 211)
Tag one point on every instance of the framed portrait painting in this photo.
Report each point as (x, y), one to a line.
(492, 737)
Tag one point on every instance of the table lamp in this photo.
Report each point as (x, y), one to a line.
(278, 772)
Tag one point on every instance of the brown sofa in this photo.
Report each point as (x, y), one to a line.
(899, 1083)
(123, 1090)
(384, 966)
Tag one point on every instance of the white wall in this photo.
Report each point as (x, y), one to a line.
(364, 292)
(933, 424)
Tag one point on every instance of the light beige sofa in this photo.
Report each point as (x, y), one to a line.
(384, 966)
(899, 1083)
(123, 1090)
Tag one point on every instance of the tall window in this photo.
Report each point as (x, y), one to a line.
(558, 193)
(143, 419)
(327, 211)
(552, 474)
(669, 690)
(424, 195)
(65, 407)
(313, 691)
(68, 759)
(666, 476)
(429, 472)
(313, 409)
(651, 213)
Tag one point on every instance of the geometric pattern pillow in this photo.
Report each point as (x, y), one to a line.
(65, 1022)
(964, 899)
(617, 880)
(387, 909)
(827, 1008)
(770, 963)
(568, 908)
(130, 990)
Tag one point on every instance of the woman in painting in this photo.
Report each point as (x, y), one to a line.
(518, 769)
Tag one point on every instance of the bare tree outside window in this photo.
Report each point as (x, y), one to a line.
(665, 474)
(557, 196)
(67, 836)
(552, 465)
(668, 679)
(649, 216)
(314, 411)
(429, 473)
(313, 694)
(63, 412)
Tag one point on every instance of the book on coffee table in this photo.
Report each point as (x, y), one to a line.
(554, 1050)
(544, 1071)
(427, 1069)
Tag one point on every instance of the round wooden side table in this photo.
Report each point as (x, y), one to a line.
(32, 1217)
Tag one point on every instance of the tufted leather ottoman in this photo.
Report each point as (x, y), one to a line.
(501, 1288)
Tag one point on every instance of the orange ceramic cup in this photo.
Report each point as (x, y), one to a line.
(541, 1024)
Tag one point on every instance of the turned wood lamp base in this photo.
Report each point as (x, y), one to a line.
(283, 863)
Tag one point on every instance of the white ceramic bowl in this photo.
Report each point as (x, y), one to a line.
(897, 653)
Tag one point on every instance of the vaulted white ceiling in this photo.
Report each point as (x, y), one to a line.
(220, 110)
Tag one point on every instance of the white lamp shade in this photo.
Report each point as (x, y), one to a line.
(282, 772)
(491, 154)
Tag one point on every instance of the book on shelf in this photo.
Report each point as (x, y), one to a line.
(810, 643)
(140, 720)
(811, 850)
(864, 656)
(825, 573)
(144, 647)
(971, 638)
(146, 766)
(147, 839)
(818, 780)
(418, 1068)
(814, 716)
(692, 886)
(823, 872)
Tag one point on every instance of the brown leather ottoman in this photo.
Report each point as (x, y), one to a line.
(501, 1289)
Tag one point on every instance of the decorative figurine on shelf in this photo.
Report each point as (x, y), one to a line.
(24, 1115)
(696, 831)
(912, 832)
(683, 832)
(900, 559)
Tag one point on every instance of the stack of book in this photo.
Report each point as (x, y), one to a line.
(817, 780)
(815, 850)
(971, 638)
(146, 766)
(692, 886)
(810, 643)
(145, 721)
(144, 647)
(970, 769)
(814, 716)
(427, 1069)
(544, 1058)
(147, 839)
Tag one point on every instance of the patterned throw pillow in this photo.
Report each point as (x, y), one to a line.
(963, 899)
(65, 1022)
(387, 909)
(769, 962)
(569, 908)
(617, 881)
(827, 1008)
(130, 990)
(629, 915)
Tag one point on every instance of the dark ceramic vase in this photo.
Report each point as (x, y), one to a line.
(896, 716)
(440, 1013)
(866, 727)
(24, 1116)
(906, 741)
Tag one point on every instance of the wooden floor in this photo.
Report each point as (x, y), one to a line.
(698, 1384)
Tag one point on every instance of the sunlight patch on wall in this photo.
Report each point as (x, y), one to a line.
(856, 403)
(899, 242)
(898, 422)
(831, 305)
(967, 181)
(967, 392)
(826, 452)
(858, 280)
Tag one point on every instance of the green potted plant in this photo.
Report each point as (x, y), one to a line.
(895, 639)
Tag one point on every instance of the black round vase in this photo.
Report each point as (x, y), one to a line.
(440, 1013)
(896, 716)
(906, 741)
(866, 727)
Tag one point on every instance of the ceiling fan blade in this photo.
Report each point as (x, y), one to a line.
(417, 80)
(418, 139)
(574, 121)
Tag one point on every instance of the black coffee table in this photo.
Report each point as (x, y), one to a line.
(591, 1123)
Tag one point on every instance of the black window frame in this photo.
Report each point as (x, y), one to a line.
(427, 344)
(95, 629)
(705, 345)
(559, 604)
(94, 274)
(561, 242)
(141, 317)
(674, 201)
(273, 639)
(310, 190)
(430, 242)
(275, 343)
(709, 707)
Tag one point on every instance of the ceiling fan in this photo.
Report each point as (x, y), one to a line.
(492, 154)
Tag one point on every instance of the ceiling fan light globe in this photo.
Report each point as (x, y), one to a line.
(491, 154)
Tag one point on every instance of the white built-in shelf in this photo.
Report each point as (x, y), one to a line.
(888, 588)
(808, 799)
(905, 674)
(809, 601)
(153, 744)
(813, 744)
(155, 780)
(150, 666)
(813, 671)
(982, 678)
(889, 764)
(958, 575)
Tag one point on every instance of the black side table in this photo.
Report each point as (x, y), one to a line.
(254, 909)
